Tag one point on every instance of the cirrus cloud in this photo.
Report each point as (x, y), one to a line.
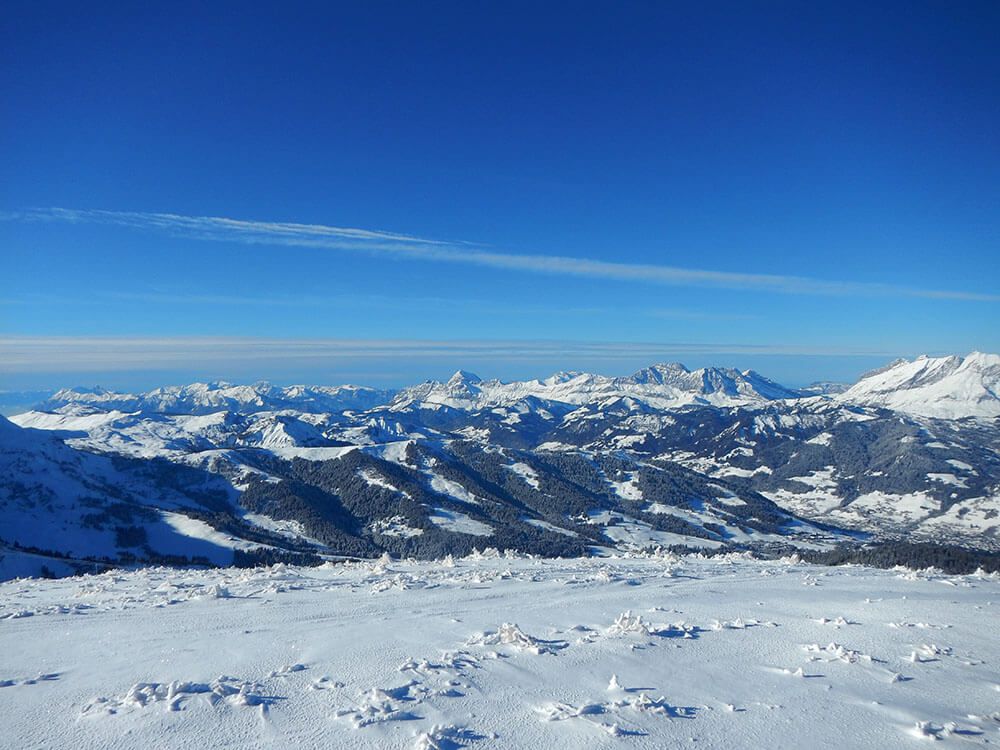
(403, 246)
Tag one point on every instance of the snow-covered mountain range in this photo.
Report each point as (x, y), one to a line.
(661, 386)
(950, 387)
(210, 398)
(566, 465)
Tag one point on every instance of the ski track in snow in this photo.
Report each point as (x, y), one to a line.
(495, 651)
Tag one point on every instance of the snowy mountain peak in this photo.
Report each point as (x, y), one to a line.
(660, 373)
(950, 387)
(717, 384)
(462, 378)
(92, 391)
(982, 359)
(562, 376)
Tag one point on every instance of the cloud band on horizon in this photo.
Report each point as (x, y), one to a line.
(21, 354)
(220, 229)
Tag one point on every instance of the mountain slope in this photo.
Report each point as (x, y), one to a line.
(946, 387)
(81, 505)
(411, 497)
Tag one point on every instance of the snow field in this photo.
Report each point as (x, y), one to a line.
(501, 652)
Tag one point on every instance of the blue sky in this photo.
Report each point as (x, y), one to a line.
(805, 191)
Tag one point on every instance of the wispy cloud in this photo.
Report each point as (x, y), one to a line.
(27, 354)
(335, 300)
(320, 236)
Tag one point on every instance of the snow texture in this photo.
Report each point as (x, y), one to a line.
(635, 651)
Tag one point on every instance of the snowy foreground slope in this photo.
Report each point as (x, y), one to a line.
(502, 652)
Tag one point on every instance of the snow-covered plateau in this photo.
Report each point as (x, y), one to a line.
(503, 651)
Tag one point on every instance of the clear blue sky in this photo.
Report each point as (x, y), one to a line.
(806, 189)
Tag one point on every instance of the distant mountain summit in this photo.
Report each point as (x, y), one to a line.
(945, 387)
(209, 398)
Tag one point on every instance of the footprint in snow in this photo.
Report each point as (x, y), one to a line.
(41, 677)
(287, 670)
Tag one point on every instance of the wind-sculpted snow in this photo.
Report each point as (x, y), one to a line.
(503, 651)
(176, 696)
(511, 635)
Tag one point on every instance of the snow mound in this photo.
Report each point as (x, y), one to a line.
(511, 635)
